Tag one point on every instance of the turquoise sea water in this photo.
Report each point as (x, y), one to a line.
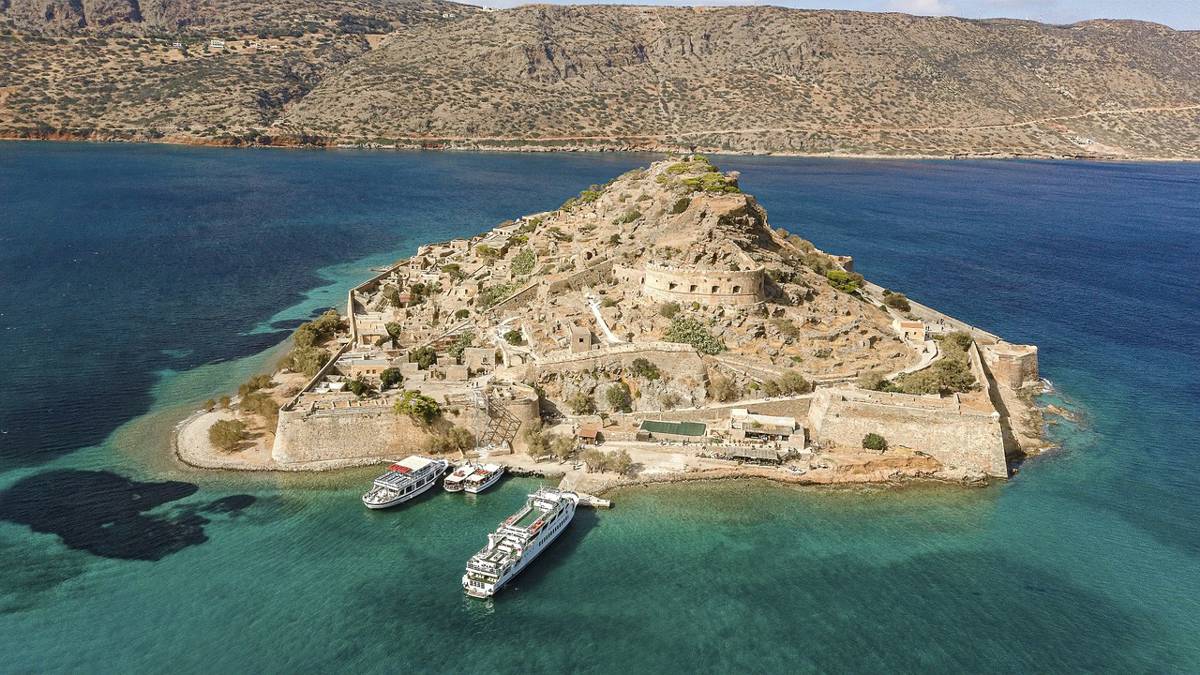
(137, 281)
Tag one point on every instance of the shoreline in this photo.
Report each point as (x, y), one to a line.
(416, 146)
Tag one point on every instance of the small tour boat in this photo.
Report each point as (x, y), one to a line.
(454, 481)
(403, 481)
(484, 476)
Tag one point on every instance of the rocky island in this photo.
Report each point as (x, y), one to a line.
(653, 328)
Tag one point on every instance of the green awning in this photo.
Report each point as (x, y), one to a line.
(676, 428)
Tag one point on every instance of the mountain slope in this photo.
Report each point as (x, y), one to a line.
(745, 79)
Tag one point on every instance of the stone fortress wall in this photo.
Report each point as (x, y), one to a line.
(956, 436)
(1012, 365)
(687, 285)
(304, 437)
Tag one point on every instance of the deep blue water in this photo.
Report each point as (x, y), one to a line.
(136, 281)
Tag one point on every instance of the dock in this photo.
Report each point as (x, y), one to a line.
(593, 501)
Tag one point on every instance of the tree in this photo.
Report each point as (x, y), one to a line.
(424, 357)
(514, 337)
(454, 439)
(392, 295)
(873, 441)
(394, 330)
(258, 403)
(391, 377)
(562, 448)
(620, 461)
(359, 387)
(594, 459)
(619, 397)
(307, 360)
(462, 313)
(254, 384)
(210, 404)
(421, 409)
(581, 404)
(460, 345)
(538, 444)
(227, 435)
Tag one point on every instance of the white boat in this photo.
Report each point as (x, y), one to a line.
(403, 481)
(484, 476)
(518, 540)
(455, 480)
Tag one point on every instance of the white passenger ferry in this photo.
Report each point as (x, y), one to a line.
(484, 476)
(456, 479)
(518, 540)
(404, 480)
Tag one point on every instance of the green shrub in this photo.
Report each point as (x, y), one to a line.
(847, 282)
(897, 301)
(687, 330)
(627, 217)
(454, 439)
(523, 262)
(424, 357)
(391, 377)
(258, 403)
(307, 360)
(681, 205)
(421, 409)
(493, 294)
(227, 435)
(619, 397)
(668, 310)
(645, 369)
(460, 345)
(874, 442)
(359, 387)
(254, 384)
(581, 404)
(514, 337)
(487, 252)
(462, 313)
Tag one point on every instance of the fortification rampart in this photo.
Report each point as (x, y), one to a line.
(956, 436)
(303, 437)
(1014, 366)
(709, 287)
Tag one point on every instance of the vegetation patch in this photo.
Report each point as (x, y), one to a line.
(687, 330)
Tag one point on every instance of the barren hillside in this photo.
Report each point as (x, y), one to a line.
(747, 79)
